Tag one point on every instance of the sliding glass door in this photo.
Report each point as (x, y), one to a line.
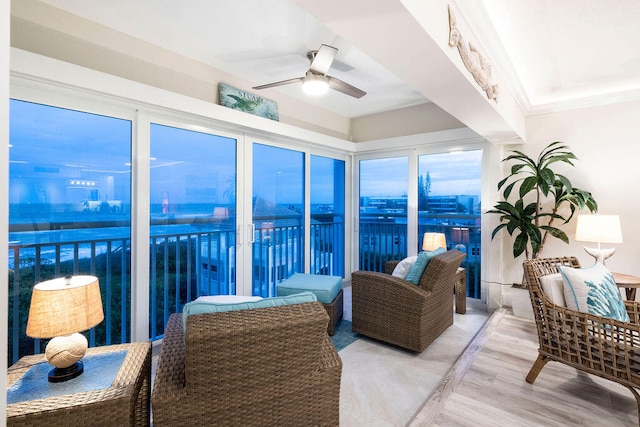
(327, 216)
(225, 216)
(69, 213)
(383, 211)
(449, 187)
(277, 216)
(192, 224)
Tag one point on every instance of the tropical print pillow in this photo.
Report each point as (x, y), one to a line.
(593, 290)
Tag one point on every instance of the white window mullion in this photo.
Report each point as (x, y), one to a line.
(244, 216)
(140, 233)
(307, 212)
(412, 205)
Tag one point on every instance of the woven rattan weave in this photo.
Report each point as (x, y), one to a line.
(334, 310)
(125, 403)
(263, 367)
(398, 312)
(597, 345)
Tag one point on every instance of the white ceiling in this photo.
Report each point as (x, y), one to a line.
(562, 53)
(552, 54)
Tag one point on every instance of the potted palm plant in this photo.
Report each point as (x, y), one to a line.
(540, 193)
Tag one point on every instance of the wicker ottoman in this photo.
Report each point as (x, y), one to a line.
(328, 290)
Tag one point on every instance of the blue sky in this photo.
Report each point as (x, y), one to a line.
(197, 166)
(451, 173)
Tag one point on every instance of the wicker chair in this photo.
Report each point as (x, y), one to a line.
(261, 367)
(597, 345)
(398, 312)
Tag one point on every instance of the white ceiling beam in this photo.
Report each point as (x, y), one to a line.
(410, 38)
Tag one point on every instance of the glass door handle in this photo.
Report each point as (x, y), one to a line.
(252, 233)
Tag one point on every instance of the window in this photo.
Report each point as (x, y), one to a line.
(449, 202)
(192, 224)
(383, 211)
(69, 212)
(327, 216)
(278, 216)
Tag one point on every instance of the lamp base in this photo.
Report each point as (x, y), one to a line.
(58, 375)
(64, 353)
(600, 254)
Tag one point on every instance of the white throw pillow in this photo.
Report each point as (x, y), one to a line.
(593, 290)
(404, 267)
(553, 288)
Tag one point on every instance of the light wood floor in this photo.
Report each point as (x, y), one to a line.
(487, 387)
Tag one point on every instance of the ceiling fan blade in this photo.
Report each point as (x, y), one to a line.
(346, 88)
(280, 83)
(323, 59)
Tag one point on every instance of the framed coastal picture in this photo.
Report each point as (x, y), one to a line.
(248, 102)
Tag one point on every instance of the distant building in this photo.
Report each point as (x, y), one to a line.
(435, 204)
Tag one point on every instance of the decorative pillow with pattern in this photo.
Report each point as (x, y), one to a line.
(593, 290)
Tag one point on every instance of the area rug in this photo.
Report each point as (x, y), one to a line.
(343, 335)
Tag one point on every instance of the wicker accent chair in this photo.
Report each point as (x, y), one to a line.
(398, 312)
(271, 366)
(597, 345)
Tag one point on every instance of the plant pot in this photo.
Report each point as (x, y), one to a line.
(521, 302)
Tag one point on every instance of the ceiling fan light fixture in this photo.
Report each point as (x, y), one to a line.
(315, 84)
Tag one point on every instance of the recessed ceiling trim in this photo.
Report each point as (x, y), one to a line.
(587, 101)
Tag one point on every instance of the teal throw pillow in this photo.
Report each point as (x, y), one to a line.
(593, 290)
(421, 264)
(203, 306)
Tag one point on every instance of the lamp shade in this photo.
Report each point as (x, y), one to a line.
(64, 306)
(433, 241)
(599, 229)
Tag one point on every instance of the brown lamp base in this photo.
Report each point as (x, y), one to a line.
(58, 375)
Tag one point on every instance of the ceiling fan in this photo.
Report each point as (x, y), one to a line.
(316, 81)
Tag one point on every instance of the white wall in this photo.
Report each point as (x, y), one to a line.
(606, 141)
(4, 191)
(414, 120)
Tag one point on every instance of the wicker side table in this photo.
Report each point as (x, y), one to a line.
(461, 290)
(124, 403)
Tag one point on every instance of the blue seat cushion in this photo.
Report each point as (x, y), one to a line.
(325, 288)
(203, 306)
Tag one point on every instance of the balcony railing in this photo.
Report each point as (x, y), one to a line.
(31, 263)
(383, 237)
(183, 266)
(187, 264)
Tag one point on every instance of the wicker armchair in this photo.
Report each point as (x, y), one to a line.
(398, 312)
(597, 345)
(261, 367)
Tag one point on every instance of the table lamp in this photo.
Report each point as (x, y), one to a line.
(433, 241)
(60, 308)
(600, 229)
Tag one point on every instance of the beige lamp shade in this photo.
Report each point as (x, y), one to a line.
(63, 306)
(599, 229)
(433, 241)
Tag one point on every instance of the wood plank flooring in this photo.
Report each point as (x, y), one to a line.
(488, 387)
